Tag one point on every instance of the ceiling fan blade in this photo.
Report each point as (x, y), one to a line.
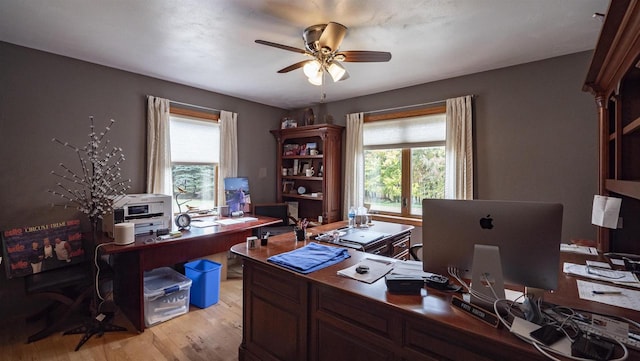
(280, 46)
(293, 66)
(365, 56)
(332, 36)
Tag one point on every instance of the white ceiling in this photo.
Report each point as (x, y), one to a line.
(209, 44)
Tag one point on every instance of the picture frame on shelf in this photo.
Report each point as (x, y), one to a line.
(288, 123)
(287, 187)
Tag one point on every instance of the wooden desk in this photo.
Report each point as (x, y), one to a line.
(395, 244)
(322, 316)
(130, 261)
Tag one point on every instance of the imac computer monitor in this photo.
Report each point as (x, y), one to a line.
(527, 234)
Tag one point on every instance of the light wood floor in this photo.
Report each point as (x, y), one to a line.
(213, 333)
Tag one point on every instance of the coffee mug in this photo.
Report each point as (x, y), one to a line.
(309, 172)
(313, 152)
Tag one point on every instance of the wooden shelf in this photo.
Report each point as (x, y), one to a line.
(614, 80)
(328, 139)
(632, 127)
(302, 177)
(626, 188)
(319, 156)
(301, 196)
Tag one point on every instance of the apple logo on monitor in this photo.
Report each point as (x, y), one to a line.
(486, 222)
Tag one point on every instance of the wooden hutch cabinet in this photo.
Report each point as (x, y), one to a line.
(317, 147)
(614, 80)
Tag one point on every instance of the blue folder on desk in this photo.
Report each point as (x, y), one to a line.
(310, 258)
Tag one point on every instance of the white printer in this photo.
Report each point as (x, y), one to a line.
(148, 213)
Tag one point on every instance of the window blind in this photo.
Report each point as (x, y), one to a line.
(411, 132)
(194, 141)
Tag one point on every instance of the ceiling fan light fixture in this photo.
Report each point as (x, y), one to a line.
(336, 71)
(316, 79)
(311, 68)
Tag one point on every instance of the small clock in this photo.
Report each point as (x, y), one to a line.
(301, 190)
(183, 221)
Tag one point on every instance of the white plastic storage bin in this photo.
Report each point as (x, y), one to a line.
(166, 295)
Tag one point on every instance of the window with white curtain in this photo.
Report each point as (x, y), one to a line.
(195, 155)
(404, 161)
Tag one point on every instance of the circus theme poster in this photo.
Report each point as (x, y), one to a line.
(39, 248)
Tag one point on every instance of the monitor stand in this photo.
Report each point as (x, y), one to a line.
(486, 269)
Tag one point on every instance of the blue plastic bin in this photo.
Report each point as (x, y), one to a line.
(205, 285)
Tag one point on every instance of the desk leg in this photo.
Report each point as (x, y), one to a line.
(128, 287)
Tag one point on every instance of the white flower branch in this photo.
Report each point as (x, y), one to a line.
(93, 190)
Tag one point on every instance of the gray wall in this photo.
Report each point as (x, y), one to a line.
(45, 96)
(536, 132)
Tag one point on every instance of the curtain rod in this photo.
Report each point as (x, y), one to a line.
(409, 106)
(187, 104)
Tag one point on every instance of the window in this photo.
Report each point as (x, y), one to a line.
(404, 160)
(195, 154)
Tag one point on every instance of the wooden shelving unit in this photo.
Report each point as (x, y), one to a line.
(323, 192)
(614, 80)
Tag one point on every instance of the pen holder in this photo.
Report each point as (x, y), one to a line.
(300, 234)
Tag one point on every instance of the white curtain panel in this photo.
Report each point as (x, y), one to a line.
(158, 147)
(228, 150)
(459, 149)
(354, 163)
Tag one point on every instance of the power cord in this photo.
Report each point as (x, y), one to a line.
(548, 351)
(95, 262)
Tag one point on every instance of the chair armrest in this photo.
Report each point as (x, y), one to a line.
(413, 251)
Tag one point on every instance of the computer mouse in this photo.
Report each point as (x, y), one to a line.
(362, 269)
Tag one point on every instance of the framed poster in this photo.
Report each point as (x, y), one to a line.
(38, 248)
(236, 193)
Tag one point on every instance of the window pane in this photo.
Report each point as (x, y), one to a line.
(427, 176)
(382, 184)
(198, 183)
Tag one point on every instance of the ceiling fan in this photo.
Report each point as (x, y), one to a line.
(321, 44)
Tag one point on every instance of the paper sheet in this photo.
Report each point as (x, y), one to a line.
(203, 224)
(565, 247)
(606, 211)
(524, 328)
(409, 268)
(624, 298)
(377, 270)
(602, 274)
(228, 221)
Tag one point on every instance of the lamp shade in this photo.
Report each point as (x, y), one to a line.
(311, 68)
(317, 78)
(337, 71)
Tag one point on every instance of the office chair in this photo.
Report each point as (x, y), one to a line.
(275, 210)
(69, 288)
(66, 287)
(416, 251)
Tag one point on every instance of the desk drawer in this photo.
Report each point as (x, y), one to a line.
(404, 255)
(381, 249)
(400, 246)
